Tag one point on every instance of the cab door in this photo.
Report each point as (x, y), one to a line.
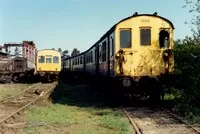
(124, 55)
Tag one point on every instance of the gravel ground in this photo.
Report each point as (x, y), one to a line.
(157, 121)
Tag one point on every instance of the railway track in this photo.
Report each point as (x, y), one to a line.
(11, 107)
(20, 93)
(157, 121)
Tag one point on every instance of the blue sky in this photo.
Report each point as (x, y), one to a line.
(78, 23)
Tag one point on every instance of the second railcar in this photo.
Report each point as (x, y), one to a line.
(48, 64)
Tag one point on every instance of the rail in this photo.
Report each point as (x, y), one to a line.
(43, 93)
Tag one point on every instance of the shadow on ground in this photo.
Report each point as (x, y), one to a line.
(84, 95)
(81, 90)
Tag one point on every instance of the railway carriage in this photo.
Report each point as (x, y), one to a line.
(48, 64)
(137, 52)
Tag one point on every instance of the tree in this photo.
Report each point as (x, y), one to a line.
(75, 52)
(65, 51)
(53, 48)
(59, 50)
(65, 54)
(194, 8)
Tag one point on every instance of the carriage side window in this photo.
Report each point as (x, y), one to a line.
(78, 60)
(66, 63)
(100, 53)
(55, 59)
(104, 51)
(95, 58)
(41, 59)
(86, 58)
(145, 37)
(91, 56)
(48, 58)
(125, 38)
(81, 62)
(112, 46)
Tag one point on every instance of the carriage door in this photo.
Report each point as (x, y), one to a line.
(111, 55)
(97, 58)
(164, 39)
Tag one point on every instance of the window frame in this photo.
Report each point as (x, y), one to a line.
(57, 60)
(104, 51)
(125, 29)
(48, 57)
(43, 59)
(145, 28)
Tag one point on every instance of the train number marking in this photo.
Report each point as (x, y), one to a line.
(145, 20)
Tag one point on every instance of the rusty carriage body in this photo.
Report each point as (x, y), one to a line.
(15, 69)
(137, 53)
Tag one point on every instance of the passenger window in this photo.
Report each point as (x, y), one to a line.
(104, 51)
(91, 56)
(112, 45)
(48, 59)
(95, 58)
(41, 59)
(55, 59)
(145, 37)
(125, 39)
(100, 52)
(86, 58)
(81, 60)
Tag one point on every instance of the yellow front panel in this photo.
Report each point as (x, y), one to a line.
(145, 60)
(48, 66)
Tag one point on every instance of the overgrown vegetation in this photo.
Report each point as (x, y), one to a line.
(187, 68)
(73, 111)
(186, 94)
(72, 119)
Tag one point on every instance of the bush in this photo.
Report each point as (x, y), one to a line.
(187, 68)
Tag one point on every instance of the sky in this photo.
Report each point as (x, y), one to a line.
(69, 24)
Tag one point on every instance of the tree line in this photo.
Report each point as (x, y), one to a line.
(187, 66)
(66, 54)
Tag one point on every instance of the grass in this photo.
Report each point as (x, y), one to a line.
(196, 119)
(7, 90)
(188, 111)
(72, 112)
(169, 97)
(77, 120)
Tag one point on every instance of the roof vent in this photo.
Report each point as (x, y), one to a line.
(136, 13)
(155, 14)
